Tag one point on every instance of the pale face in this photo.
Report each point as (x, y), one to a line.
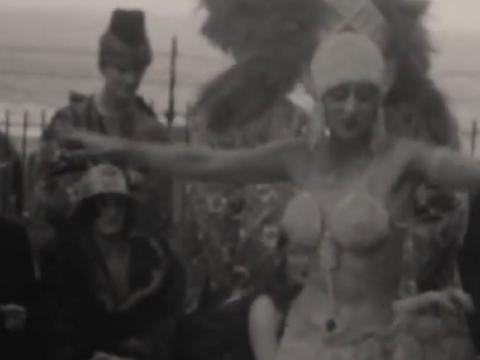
(351, 110)
(111, 215)
(122, 80)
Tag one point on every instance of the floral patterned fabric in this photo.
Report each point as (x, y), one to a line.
(433, 240)
(238, 227)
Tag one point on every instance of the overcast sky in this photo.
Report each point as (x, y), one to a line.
(167, 7)
(456, 15)
(449, 15)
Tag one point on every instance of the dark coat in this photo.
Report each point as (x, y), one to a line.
(469, 265)
(17, 286)
(91, 317)
(11, 186)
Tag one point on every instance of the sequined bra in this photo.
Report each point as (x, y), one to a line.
(357, 222)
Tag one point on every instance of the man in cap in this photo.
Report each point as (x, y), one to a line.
(124, 56)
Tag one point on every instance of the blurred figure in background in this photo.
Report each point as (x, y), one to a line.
(120, 293)
(11, 184)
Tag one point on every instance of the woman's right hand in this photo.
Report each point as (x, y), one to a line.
(88, 144)
(88, 139)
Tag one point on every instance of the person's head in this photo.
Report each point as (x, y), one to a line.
(102, 201)
(124, 54)
(348, 82)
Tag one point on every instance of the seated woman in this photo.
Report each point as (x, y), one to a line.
(354, 213)
(469, 265)
(121, 293)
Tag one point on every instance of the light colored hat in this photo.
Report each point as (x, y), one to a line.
(345, 57)
(98, 180)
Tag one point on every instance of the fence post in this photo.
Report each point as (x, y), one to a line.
(474, 136)
(188, 125)
(8, 179)
(24, 135)
(7, 129)
(170, 113)
(26, 116)
(43, 121)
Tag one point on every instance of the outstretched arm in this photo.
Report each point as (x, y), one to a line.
(268, 163)
(445, 167)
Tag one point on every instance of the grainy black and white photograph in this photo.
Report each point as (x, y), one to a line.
(239, 179)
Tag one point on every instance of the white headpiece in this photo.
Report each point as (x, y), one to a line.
(346, 57)
(342, 58)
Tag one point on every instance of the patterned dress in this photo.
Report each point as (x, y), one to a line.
(238, 227)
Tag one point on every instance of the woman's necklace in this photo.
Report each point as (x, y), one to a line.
(328, 251)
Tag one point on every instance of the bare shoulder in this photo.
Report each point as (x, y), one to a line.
(288, 150)
(295, 148)
(296, 155)
(407, 149)
(418, 157)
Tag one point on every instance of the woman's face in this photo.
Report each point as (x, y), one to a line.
(351, 109)
(122, 79)
(111, 215)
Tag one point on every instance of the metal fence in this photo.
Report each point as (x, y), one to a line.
(19, 137)
(20, 134)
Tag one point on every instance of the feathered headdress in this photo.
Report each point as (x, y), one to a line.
(272, 41)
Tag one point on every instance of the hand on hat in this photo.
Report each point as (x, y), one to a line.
(85, 138)
(93, 145)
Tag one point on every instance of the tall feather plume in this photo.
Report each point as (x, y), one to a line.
(273, 40)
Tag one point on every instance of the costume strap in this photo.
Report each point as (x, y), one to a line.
(328, 253)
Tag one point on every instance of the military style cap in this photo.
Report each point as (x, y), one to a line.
(126, 39)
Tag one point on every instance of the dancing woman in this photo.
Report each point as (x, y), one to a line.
(354, 212)
(271, 42)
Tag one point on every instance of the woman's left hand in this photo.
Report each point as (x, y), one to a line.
(450, 300)
(89, 140)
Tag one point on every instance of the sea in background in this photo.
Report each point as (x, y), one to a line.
(46, 54)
